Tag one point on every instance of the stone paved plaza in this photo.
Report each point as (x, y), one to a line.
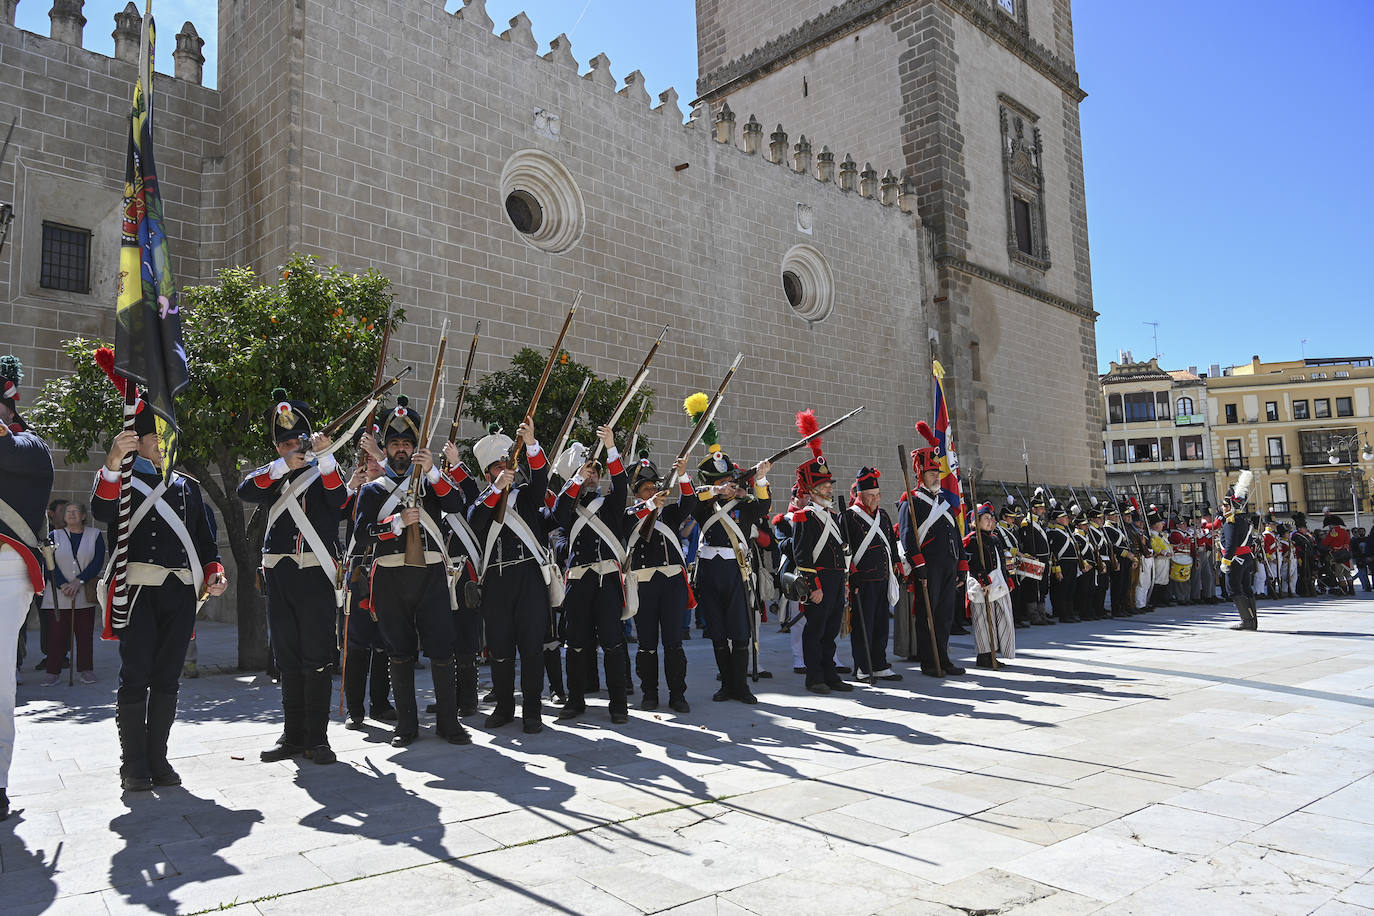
(1162, 764)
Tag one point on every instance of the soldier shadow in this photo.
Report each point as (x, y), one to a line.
(150, 866)
(206, 699)
(29, 883)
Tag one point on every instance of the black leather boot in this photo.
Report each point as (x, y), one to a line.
(675, 673)
(379, 685)
(446, 724)
(577, 669)
(162, 710)
(724, 664)
(357, 663)
(467, 687)
(739, 674)
(407, 714)
(292, 740)
(503, 690)
(553, 673)
(591, 681)
(984, 660)
(1243, 609)
(319, 693)
(131, 721)
(624, 653)
(646, 667)
(617, 678)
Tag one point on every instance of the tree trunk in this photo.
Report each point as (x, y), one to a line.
(245, 538)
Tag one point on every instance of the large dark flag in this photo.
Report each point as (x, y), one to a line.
(148, 347)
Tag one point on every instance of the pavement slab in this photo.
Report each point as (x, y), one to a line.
(1162, 763)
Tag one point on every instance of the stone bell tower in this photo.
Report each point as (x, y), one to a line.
(978, 99)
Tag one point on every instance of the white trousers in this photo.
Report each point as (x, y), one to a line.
(1001, 620)
(16, 594)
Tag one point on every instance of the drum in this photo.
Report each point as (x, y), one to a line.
(1029, 568)
(1180, 567)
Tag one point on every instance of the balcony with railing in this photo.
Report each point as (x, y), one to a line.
(1236, 463)
(1275, 462)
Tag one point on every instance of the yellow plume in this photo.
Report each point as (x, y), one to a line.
(696, 404)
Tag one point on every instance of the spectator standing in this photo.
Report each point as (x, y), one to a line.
(78, 555)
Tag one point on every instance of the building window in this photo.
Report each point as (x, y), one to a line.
(1114, 411)
(1118, 451)
(1162, 405)
(1322, 490)
(1184, 407)
(1193, 492)
(1344, 408)
(1166, 449)
(975, 363)
(66, 258)
(1299, 410)
(1278, 497)
(1322, 408)
(1274, 458)
(1271, 411)
(1315, 444)
(1144, 450)
(1231, 414)
(1024, 185)
(1234, 459)
(1140, 407)
(1190, 448)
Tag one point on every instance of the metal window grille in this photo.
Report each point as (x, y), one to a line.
(66, 258)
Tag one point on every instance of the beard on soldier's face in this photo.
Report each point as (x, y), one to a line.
(399, 460)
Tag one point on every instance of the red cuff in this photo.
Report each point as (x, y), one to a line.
(441, 486)
(686, 487)
(263, 479)
(616, 466)
(213, 569)
(963, 566)
(332, 480)
(457, 473)
(798, 517)
(536, 461)
(492, 499)
(918, 560)
(642, 510)
(106, 489)
(574, 488)
(388, 534)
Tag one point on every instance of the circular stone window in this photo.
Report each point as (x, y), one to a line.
(542, 201)
(808, 283)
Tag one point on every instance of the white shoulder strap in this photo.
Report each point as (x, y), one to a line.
(178, 526)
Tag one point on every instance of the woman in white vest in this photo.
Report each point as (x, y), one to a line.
(78, 556)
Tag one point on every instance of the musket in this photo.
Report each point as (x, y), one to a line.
(904, 459)
(463, 389)
(571, 419)
(513, 456)
(340, 423)
(1082, 563)
(415, 548)
(6, 208)
(1092, 501)
(698, 431)
(743, 477)
(982, 557)
(855, 613)
(633, 440)
(635, 383)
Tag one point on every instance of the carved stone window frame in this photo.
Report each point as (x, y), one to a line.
(1023, 176)
(1018, 15)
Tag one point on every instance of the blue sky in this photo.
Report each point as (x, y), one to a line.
(1223, 144)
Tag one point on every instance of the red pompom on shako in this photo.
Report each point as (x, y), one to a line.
(928, 458)
(815, 471)
(144, 421)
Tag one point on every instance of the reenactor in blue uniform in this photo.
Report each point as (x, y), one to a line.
(1065, 564)
(517, 575)
(172, 561)
(366, 663)
(658, 569)
(1035, 542)
(300, 557)
(413, 604)
(1238, 556)
(466, 554)
(874, 577)
(726, 508)
(935, 549)
(596, 592)
(26, 476)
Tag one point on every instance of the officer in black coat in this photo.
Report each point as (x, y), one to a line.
(873, 577)
(516, 574)
(366, 663)
(413, 604)
(1009, 531)
(466, 553)
(300, 556)
(930, 537)
(1237, 555)
(172, 561)
(596, 597)
(1034, 540)
(1065, 564)
(818, 551)
(658, 569)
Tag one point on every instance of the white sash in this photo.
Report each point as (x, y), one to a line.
(587, 518)
(11, 517)
(668, 535)
(553, 577)
(720, 515)
(828, 529)
(938, 509)
(289, 502)
(467, 537)
(178, 526)
(874, 529)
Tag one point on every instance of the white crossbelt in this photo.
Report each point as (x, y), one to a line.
(587, 517)
(289, 502)
(938, 510)
(874, 529)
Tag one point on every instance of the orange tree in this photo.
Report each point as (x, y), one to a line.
(315, 332)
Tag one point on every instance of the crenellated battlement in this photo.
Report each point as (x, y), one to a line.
(889, 191)
(69, 24)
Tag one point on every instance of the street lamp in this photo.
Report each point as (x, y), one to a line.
(1347, 445)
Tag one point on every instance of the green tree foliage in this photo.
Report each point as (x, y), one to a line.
(503, 397)
(316, 333)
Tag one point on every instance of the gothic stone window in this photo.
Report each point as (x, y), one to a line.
(1024, 177)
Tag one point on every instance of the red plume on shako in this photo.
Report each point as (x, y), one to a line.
(928, 458)
(144, 421)
(815, 471)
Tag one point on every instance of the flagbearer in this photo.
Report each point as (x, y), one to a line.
(596, 592)
(26, 475)
(172, 559)
(413, 604)
(818, 550)
(300, 557)
(935, 549)
(659, 568)
(874, 576)
(724, 511)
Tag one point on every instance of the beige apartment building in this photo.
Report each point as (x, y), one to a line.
(1303, 426)
(1155, 439)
